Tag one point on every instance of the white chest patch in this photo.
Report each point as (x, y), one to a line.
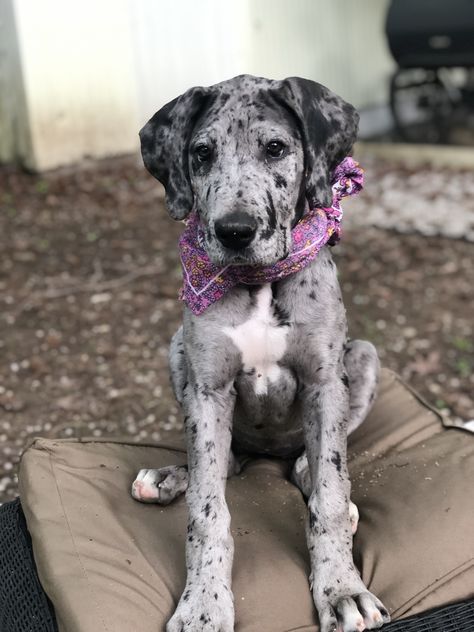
(261, 340)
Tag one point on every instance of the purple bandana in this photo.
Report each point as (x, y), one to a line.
(205, 283)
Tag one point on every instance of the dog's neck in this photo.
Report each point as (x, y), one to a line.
(204, 283)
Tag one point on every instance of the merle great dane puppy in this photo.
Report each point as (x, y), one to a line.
(267, 369)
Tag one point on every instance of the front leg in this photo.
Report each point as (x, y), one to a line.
(341, 598)
(207, 603)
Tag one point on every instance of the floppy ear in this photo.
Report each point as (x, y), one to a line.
(164, 144)
(328, 127)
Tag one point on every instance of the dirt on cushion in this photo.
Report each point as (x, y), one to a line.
(89, 275)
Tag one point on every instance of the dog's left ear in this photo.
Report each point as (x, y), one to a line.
(164, 144)
(328, 126)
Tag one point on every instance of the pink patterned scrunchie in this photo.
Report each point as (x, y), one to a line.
(205, 283)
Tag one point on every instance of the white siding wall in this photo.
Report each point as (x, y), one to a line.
(93, 71)
(77, 62)
(14, 128)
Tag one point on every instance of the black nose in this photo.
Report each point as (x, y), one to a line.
(236, 230)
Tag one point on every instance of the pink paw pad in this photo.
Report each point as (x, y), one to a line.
(144, 490)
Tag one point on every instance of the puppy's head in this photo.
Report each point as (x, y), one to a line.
(249, 154)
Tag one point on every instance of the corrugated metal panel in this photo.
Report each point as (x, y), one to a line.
(339, 43)
(184, 43)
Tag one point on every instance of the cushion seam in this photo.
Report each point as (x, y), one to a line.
(419, 399)
(74, 541)
(76, 441)
(438, 583)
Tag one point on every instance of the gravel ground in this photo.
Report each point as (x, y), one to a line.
(88, 290)
(426, 200)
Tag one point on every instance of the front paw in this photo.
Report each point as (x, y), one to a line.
(203, 609)
(344, 610)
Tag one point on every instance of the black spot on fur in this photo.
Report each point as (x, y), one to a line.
(280, 181)
(281, 315)
(271, 212)
(205, 391)
(253, 289)
(320, 182)
(345, 380)
(336, 459)
(300, 204)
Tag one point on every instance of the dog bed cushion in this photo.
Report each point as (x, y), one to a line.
(109, 563)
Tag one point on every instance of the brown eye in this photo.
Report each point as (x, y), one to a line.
(203, 152)
(275, 149)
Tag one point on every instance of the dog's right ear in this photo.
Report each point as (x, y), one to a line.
(164, 145)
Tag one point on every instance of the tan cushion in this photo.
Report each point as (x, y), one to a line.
(109, 563)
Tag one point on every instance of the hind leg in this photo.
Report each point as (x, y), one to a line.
(160, 486)
(177, 363)
(300, 476)
(163, 485)
(363, 369)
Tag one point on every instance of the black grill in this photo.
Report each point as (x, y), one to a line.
(431, 33)
(24, 607)
(432, 90)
